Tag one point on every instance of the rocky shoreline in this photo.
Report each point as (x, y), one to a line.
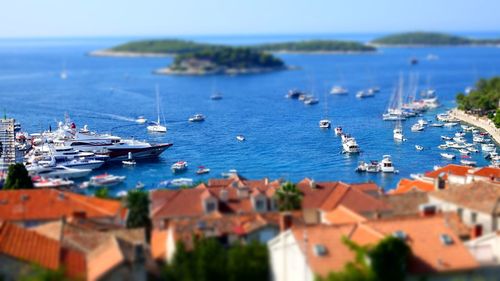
(224, 71)
(481, 122)
(110, 53)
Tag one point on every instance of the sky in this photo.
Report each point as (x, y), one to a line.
(81, 18)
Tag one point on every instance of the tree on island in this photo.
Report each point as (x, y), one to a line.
(289, 197)
(388, 260)
(18, 178)
(210, 260)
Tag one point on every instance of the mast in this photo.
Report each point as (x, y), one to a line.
(158, 103)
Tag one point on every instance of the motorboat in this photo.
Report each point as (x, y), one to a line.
(216, 96)
(179, 167)
(339, 90)
(448, 156)
(419, 147)
(84, 130)
(372, 167)
(455, 145)
(141, 120)
(229, 173)
(450, 124)
(472, 149)
(41, 182)
(338, 130)
(446, 138)
(468, 162)
(422, 122)
(442, 146)
(349, 145)
(202, 170)
(240, 138)
(386, 165)
(83, 164)
(459, 139)
(417, 127)
(459, 134)
(181, 182)
(478, 139)
(130, 161)
(106, 180)
(398, 132)
(139, 185)
(294, 94)
(464, 151)
(311, 101)
(488, 147)
(138, 149)
(58, 172)
(325, 124)
(364, 94)
(437, 125)
(197, 118)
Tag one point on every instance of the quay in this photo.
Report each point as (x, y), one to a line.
(482, 122)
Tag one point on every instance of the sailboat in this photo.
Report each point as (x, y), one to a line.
(325, 123)
(215, 94)
(398, 129)
(157, 127)
(63, 73)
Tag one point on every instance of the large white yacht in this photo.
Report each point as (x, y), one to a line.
(58, 172)
(386, 165)
(349, 144)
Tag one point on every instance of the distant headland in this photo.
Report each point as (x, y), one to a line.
(192, 58)
(430, 39)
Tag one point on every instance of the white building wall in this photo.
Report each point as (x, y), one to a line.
(454, 179)
(287, 260)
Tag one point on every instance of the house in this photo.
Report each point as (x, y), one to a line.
(486, 250)
(476, 203)
(303, 252)
(31, 207)
(21, 250)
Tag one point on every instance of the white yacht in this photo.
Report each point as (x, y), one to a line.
(325, 124)
(339, 90)
(419, 147)
(310, 100)
(240, 138)
(448, 156)
(106, 180)
(141, 120)
(216, 96)
(83, 164)
(417, 127)
(157, 127)
(52, 183)
(386, 165)
(197, 118)
(338, 130)
(349, 144)
(179, 166)
(364, 94)
(398, 132)
(58, 172)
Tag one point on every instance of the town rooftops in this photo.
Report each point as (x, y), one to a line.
(449, 169)
(407, 185)
(422, 234)
(51, 204)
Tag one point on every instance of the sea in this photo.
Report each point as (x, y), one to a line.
(283, 139)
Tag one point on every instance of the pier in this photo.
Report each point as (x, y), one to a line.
(482, 122)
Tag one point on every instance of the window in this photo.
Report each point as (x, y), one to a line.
(319, 250)
(460, 213)
(399, 234)
(446, 239)
(210, 206)
(260, 205)
(473, 217)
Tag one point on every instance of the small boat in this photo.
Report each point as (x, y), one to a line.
(240, 138)
(106, 180)
(139, 185)
(413, 61)
(422, 122)
(417, 127)
(372, 167)
(311, 101)
(448, 156)
(386, 165)
(398, 132)
(294, 94)
(41, 182)
(339, 90)
(157, 127)
(84, 130)
(442, 146)
(338, 130)
(472, 149)
(197, 118)
(459, 134)
(374, 90)
(464, 151)
(468, 162)
(141, 120)
(121, 193)
(325, 124)
(216, 96)
(450, 124)
(446, 138)
(437, 125)
(229, 173)
(364, 94)
(129, 161)
(181, 182)
(179, 166)
(419, 147)
(202, 170)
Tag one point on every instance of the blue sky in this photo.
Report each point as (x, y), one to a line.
(61, 18)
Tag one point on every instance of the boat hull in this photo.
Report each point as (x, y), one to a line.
(120, 154)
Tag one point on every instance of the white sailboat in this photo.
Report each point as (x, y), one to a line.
(157, 127)
(325, 123)
(398, 130)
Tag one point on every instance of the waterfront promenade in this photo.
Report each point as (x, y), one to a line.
(482, 122)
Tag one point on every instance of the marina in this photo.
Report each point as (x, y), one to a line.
(281, 136)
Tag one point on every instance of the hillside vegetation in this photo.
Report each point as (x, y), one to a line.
(430, 38)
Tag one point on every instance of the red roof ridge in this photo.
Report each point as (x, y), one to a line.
(76, 197)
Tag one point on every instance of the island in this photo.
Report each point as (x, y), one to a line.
(223, 60)
(430, 39)
(317, 46)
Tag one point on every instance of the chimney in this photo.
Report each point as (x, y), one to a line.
(427, 210)
(286, 221)
(223, 195)
(476, 231)
(439, 182)
(312, 184)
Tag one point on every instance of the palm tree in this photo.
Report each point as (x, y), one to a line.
(289, 197)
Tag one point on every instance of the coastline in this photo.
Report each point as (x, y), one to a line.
(432, 45)
(117, 54)
(481, 122)
(229, 71)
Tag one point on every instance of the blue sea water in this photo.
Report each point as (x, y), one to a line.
(283, 137)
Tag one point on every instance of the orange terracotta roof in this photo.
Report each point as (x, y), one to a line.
(449, 169)
(489, 172)
(51, 204)
(343, 215)
(36, 248)
(407, 185)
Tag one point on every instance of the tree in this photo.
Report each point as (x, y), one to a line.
(255, 265)
(389, 259)
(102, 192)
(18, 178)
(137, 202)
(289, 197)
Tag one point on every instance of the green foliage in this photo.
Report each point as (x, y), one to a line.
(42, 274)
(316, 46)
(102, 192)
(230, 57)
(496, 118)
(289, 197)
(137, 202)
(422, 38)
(209, 260)
(18, 178)
(485, 97)
(386, 261)
(389, 259)
(166, 46)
